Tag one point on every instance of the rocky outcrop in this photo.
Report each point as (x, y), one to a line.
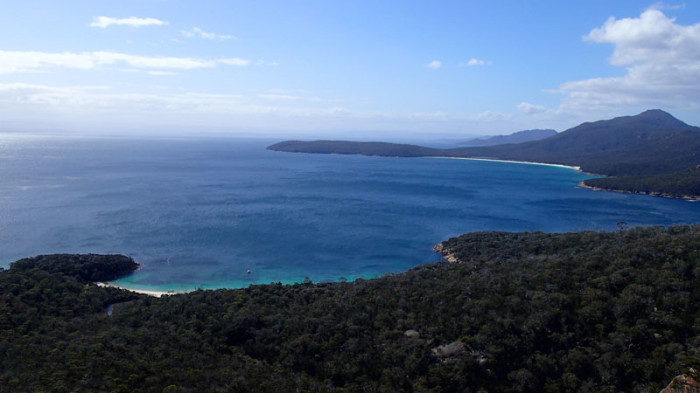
(683, 384)
(451, 350)
(449, 257)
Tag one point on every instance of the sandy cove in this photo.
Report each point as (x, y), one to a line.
(142, 291)
(576, 168)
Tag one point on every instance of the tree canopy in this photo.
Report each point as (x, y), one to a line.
(519, 312)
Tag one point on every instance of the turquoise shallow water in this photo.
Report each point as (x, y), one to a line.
(201, 213)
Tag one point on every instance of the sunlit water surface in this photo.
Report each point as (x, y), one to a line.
(214, 213)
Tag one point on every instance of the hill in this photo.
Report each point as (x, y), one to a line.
(517, 137)
(652, 143)
(518, 312)
(345, 147)
(684, 184)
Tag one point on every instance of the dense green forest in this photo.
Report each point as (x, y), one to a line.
(682, 184)
(653, 143)
(520, 312)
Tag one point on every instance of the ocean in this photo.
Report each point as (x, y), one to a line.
(227, 213)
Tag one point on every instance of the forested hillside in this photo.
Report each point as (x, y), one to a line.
(520, 312)
(684, 184)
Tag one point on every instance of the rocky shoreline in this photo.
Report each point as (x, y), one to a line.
(449, 257)
(688, 198)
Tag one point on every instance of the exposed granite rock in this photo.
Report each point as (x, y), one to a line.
(453, 349)
(411, 333)
(683, 384)
(439, 248)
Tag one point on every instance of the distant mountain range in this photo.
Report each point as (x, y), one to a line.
(652, 145)
(517, 137)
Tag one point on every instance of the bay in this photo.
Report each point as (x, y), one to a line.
(225, 212)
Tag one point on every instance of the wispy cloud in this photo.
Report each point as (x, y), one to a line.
(94, 97)
(526, 107)
(106, 21)
(196, 32)
(161, 73)
(279, 97)
(492, 116)
(434, 65)
(476, 62)
(184, 63)
(235, 62)
(110, 108)
(17, 61)
(663, 6)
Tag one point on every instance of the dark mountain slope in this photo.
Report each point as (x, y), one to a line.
(673, 152)
(621, 146)
(621, 133)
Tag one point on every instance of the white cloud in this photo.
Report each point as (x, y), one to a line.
(653, 38)
(106, 21)
(88, 108)
(663, 6)
(96, 97)
(15, 61)
(161, 73)
(662, 60)
(526, 107)
(235, 62)
(477, 62)
(492, 116)
(197, 32)
(279, 97)
(107, 58)
(435, 64)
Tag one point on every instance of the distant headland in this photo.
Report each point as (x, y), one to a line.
(650, 153)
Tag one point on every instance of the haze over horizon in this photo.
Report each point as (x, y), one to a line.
(332, 69)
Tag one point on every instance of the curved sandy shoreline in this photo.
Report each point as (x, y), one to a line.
(142, 291)
(576, 168)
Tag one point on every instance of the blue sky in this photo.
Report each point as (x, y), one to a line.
(342, 68)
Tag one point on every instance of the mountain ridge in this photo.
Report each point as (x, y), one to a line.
(516, 137)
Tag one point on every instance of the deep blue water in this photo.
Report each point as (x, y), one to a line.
(200, 213)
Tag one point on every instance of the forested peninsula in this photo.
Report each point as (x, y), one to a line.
(651, 153)
(514, 312)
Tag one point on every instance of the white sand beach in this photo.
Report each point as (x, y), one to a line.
(576, 168)
(143, 291)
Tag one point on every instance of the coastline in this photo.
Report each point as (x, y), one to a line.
(575, 168)
(582, 184)
(148, 292)
(449, 257)
(687, 198)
